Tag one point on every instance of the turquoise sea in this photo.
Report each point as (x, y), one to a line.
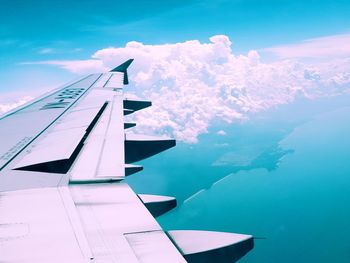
(283, 176)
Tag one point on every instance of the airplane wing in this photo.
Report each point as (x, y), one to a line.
(63, 158)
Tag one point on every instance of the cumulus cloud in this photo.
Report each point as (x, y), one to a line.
(191, 84)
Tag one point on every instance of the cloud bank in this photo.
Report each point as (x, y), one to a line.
(192, 84)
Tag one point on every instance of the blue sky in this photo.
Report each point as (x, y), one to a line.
(94, 24)
(74, 29)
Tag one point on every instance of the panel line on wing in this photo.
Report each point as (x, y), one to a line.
(108, 80)
(75, 222)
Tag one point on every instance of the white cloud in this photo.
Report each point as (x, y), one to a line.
(192, 83)
(46, 51)
(221, 132)
(76, 66)
(7, 106)
(15, 98)
(323, 47)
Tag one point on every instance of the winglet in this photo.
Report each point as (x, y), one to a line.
(123, 68)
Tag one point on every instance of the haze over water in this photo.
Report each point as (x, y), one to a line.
(283, 176)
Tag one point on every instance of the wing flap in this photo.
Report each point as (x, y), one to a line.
(119, 227)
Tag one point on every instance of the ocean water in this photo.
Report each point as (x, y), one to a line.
(283, 176)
